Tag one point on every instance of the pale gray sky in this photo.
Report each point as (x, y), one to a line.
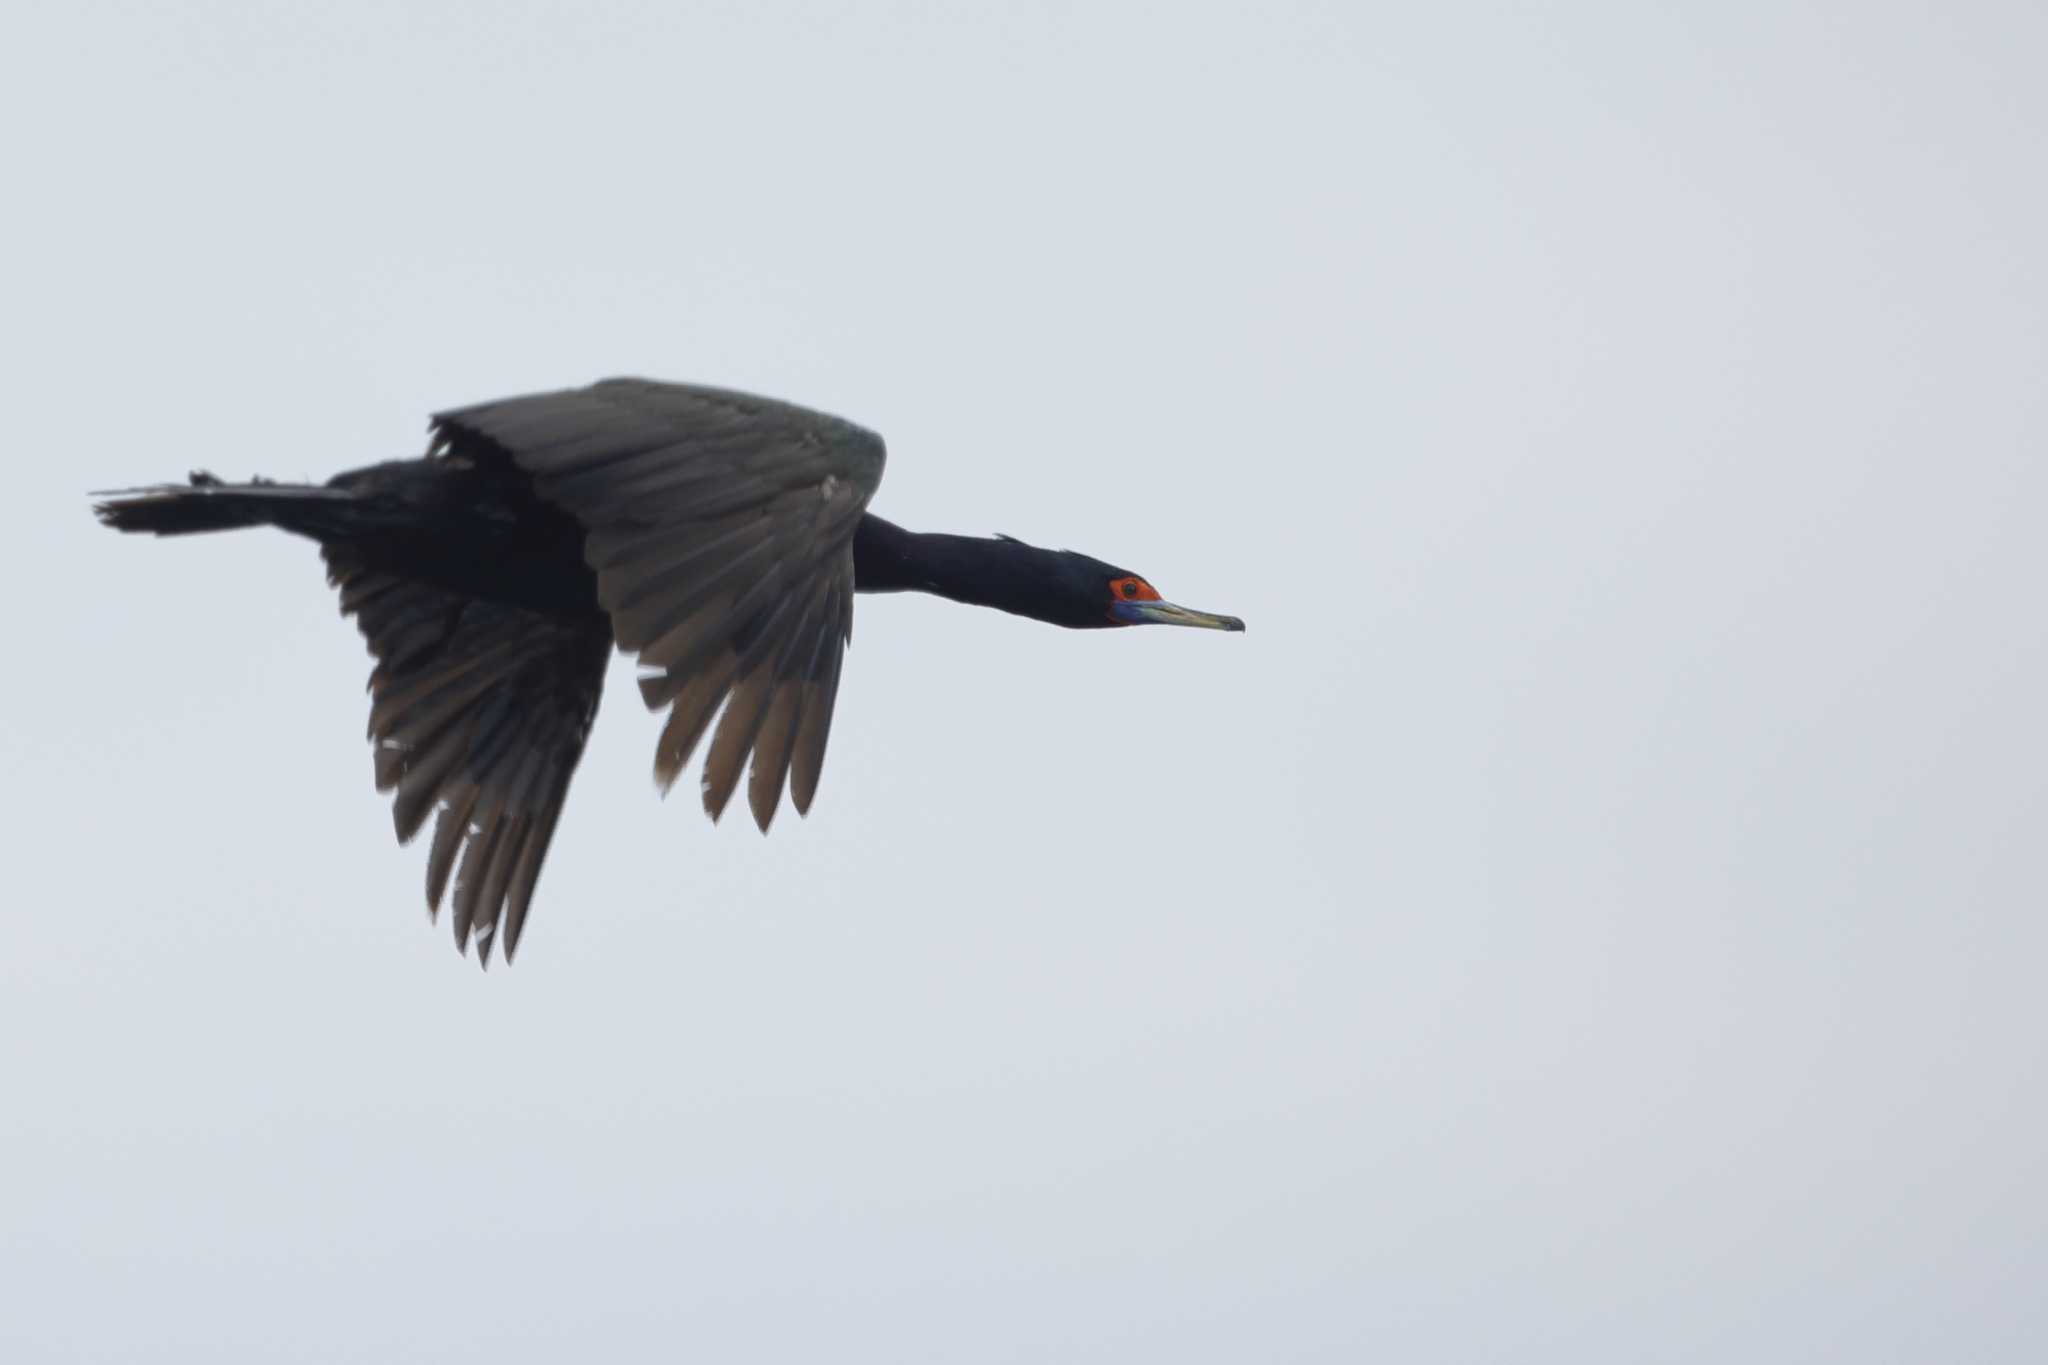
(1595, 913)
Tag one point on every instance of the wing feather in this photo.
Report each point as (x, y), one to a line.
(744, 710)
(689, 717)
(478, 715)
(820, 682)
(451, 828)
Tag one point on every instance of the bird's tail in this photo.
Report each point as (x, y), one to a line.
(210, 504)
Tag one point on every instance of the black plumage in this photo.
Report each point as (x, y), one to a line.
(718, 536)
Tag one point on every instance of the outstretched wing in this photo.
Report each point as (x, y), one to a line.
(479, 711)
(720, 527)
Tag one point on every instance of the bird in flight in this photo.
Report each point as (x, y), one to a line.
(717, 536)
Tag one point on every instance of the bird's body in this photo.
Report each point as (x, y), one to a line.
(718, 536)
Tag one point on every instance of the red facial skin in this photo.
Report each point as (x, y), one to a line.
(1132, 589)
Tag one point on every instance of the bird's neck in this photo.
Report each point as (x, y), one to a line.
(980, 571)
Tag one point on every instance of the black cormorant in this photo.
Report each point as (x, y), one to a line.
(718, 536)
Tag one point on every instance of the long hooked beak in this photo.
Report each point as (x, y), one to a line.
(1167, 614)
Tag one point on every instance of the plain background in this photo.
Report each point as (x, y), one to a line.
(1594, 914)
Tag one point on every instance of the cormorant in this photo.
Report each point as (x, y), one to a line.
(718, 536)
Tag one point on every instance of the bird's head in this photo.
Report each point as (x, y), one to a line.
(1094, 593)
(1135, 602)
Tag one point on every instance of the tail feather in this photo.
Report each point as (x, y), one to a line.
(209, 504)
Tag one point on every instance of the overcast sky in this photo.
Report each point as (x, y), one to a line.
(1595, 913)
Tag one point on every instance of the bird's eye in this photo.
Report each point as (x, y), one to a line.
(1133, 589)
